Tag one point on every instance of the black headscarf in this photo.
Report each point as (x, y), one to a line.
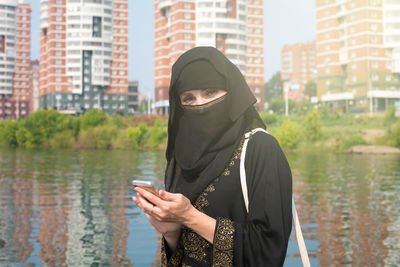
(201, 139)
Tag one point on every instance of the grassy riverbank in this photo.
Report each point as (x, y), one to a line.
(323, 131)
(316, 130)
(93, 130)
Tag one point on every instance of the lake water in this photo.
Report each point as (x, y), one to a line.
(73, 208)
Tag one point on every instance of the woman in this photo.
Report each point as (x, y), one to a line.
(202, 215)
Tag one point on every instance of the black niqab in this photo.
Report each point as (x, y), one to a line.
(201, 140)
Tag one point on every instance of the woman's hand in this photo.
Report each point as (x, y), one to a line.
(170, 230)
(147, 207)
(176, 208)
(168, 207)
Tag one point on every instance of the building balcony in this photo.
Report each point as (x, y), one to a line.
(396, 60)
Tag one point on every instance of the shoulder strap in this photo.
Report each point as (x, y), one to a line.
(243, 183)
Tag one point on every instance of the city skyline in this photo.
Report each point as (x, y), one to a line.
(298, 25)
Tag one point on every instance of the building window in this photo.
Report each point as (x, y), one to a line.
(96, 27)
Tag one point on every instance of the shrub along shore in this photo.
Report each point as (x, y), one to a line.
(315, 130)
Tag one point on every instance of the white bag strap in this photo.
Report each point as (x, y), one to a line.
(243, 183)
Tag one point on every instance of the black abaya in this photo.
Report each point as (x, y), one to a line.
(258, 238)
(210, 177)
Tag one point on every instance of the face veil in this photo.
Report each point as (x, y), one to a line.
(201, 139)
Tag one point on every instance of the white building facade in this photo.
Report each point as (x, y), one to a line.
(84, 46)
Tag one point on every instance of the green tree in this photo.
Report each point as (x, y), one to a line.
(137, 135)
(273, 88)
(42, 125)
(324, 111)
(300, 108)
(104, 135)
(310, 89)
(144, 105)
(8, 130)
(65, 139)
(288, 134)
(116, 120)
(396, 134)
(390, 117)
(312, 125)
(24, 137)
(93, 118)
(277, 106)
(268, 118)
(157, 136)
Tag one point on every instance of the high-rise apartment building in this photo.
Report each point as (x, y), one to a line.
(298, 67)
(357, 50)
(235, 27)
(15, 17)
(83, 55)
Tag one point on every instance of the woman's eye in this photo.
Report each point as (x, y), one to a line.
(187, 99)
(211, 92)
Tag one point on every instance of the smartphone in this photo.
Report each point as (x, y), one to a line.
(146, 185)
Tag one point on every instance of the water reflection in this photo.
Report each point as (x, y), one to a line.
(354, 205)
(69, 208)
(78, 202)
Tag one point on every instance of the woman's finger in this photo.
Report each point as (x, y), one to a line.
(145, 205)
(167, 195)
(149, 196)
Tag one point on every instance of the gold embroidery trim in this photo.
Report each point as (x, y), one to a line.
(235, 156)
(176, 257)
(194, 246)
(163, 255)
(223, 243)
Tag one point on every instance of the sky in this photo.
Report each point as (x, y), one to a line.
(285, 22)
